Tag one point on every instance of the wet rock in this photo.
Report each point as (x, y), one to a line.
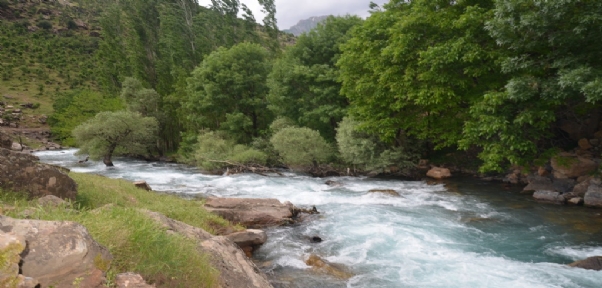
(323, 266)
(593, 196)
(143, 185)
(248, 240)
(386, 192)
(131, 280)
(549, 196)
(23, 172)
(59, 253)
(333, 183)
(51, 201)
(544, 183)
(250, 212)
(572, 166)
(576, 201)
(591, 263)
(581, 188)
(315, 239)
(438, 173)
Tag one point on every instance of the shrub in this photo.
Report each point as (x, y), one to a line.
(215, 152)
(45, 25)
(301, 146)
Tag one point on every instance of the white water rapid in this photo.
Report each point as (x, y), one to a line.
(466, 233)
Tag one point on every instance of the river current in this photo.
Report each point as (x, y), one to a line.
(461, 233)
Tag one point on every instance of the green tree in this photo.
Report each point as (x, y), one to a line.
(301, 146)
(303, 83)
(110, 133)
(555, 64)
(367, 152)
(227, 92)
(216, 152)
(417, 66)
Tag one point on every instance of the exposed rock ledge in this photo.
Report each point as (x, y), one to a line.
(253, 213)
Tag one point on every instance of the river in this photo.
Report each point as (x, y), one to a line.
(461, 233)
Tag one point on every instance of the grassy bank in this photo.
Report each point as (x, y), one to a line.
(109, 208)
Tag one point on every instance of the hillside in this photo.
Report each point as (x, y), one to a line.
(306, 25)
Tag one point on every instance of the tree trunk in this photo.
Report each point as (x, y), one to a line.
(107, 160)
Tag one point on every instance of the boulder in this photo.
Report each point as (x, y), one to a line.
(591, 263)
(544, 183)
(236, 269)
(16, 147)
(549, 196)
(438, 173)
(175, 226)
(248, 240)
(22, 172)
(59, 253)
(250, 212)
(584, 144)
(325, 267)
(593, 196)
(572, 166)
(51, 201)
(386, 192)
(333, 183)
(143, 185)
(131, 280)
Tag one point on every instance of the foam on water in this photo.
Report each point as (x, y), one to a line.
(427, 237)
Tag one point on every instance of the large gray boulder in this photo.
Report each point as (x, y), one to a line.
(252, 213)
(22, 172)
(593, 196)
(59, 253)
(572, 166)
(549, 197)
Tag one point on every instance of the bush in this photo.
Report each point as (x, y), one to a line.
(215, 152)
(45, 25)
(301, 146)
(281, 123)
(71, 25)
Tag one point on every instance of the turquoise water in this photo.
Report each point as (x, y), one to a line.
(462, 233)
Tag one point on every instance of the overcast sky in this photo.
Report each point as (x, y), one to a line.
(289, 12)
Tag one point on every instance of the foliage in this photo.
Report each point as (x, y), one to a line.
(139, 99)
(555, 66)
(120, 132)
(227, 92)
(281, 123)
(303, 83)
(418, 65)
(213, 152)
(301, 146)
(73, 108)
(368, 152)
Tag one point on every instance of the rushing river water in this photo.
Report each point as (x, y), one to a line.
(466, 233)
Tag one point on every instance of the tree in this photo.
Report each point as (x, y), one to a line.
(301, 146)
(368, 152)
(303, 83)
(417, 66)
(555, 63)
(227, 92)
(110, 133)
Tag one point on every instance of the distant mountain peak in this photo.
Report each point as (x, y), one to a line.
(305, 25)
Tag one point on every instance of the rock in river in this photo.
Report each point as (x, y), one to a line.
(250, 212)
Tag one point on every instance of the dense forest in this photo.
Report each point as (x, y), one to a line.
(507, 81)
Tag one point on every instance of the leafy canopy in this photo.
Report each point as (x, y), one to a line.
(301, 146)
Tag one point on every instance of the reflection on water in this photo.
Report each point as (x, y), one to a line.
(460, 233)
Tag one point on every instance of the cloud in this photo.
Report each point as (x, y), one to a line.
(289, 12)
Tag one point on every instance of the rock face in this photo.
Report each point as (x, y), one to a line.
(131, 280)
(593, 196)
(236, 270)
(572, 166)
(252, 213)
(59, 253)
(549, 196)
(438, 173)
(11, 247)
(591, 263)
(22, 172)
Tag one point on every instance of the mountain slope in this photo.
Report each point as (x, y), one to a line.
(305, 25)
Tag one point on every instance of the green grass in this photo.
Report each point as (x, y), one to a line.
(110, 210)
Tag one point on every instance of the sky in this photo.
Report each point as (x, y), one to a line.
(289, 12)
